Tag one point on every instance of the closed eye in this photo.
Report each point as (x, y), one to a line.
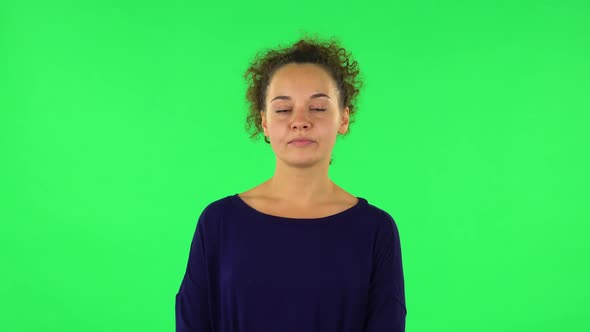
(315, 109)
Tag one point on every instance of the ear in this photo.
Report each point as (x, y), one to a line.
(263, 122)
(344, 121)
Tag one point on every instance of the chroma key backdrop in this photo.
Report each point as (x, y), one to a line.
(121, 120)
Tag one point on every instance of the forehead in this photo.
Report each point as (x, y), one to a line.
(305, 78)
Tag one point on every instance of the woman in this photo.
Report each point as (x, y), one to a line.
(297, 252)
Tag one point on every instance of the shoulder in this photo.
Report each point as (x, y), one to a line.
(214, 211)
(381, 218)
(218, 206)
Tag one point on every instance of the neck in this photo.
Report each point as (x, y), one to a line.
(301, 186)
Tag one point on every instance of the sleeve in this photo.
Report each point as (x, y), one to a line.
(192, 300)
(387, 302)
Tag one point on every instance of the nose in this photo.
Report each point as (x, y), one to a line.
(300, 119)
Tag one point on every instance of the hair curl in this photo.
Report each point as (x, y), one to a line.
(327, 54)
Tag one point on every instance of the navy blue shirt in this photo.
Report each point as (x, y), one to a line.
(249, 271)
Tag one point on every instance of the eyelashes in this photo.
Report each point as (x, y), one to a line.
(315, 109)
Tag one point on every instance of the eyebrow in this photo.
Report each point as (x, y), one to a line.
(316, 95)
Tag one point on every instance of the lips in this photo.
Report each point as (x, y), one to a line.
(301, 140)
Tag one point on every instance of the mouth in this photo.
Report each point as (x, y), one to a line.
(301, 143)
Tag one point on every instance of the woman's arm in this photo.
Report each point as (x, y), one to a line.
(192, 300)
(387, 303)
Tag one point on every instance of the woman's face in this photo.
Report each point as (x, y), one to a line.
(302, 101)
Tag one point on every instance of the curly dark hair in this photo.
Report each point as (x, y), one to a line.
(327, 54)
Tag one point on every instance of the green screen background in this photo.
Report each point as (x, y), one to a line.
(120, 121)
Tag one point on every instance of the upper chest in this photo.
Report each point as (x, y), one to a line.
(286, 210)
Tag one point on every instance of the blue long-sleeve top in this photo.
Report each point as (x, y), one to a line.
(249, 271)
